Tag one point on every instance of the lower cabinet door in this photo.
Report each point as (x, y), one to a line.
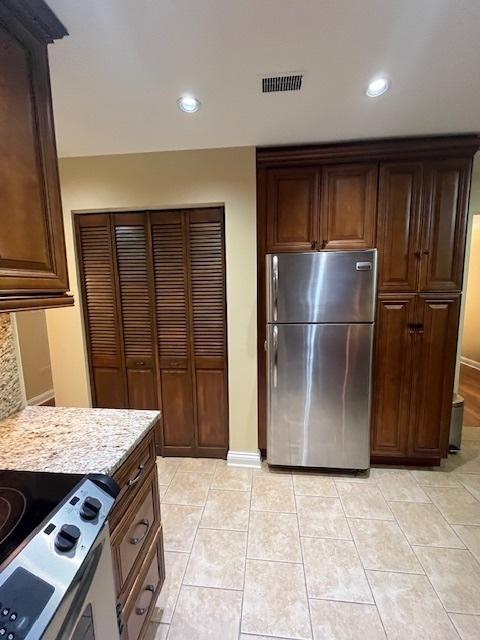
(142, 601)
(394, 348)
(434, 373)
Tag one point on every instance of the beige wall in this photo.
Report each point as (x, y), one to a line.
(474, 207)
(169, 179)
(34, 352)
(471, 326)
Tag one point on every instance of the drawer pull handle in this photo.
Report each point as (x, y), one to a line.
(141, 611)
(145, 523)
(134, 480)
(140, 363)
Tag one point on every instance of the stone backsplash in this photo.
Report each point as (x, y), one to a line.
(11, 398)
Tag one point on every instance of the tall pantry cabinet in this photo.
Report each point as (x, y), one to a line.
(153, 292)
(409, 199)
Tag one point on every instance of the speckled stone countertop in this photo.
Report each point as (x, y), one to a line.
(65, 440)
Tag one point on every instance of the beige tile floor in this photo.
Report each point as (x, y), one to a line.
(268, 554)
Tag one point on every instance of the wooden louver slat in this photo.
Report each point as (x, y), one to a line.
(99, 291)
(170, 288)
(208, 287)
(133, 283)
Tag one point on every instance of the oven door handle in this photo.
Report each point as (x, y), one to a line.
(141, 611)
(145, 523)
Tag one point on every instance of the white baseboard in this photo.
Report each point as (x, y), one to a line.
(244, 459)
(40, 399)
(470, 363)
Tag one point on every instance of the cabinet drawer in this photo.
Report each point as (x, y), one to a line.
(140, 605)
(136, 530)
(131, 476)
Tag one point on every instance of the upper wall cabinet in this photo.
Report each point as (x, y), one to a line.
(399, 202)
(349, 201)
(422, 216)
(447, 185)
(330, 208)
(292, 209)
(33, 270)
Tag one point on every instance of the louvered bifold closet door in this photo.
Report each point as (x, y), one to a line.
(173, 331)
(136, 312)
(100, 310)
(208, 316)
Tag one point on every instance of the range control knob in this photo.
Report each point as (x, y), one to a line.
(90, 508)
(67, 537)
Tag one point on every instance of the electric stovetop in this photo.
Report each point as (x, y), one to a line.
(26, 499)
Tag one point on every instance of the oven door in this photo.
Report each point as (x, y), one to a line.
(88, 610)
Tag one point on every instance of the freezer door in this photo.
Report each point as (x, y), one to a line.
(319, 389)
(327, 286)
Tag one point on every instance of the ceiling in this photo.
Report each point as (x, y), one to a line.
(117, 77)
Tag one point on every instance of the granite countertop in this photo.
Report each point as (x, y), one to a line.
(65, 440)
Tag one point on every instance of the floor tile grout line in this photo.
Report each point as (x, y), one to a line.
(364, 570)
(436, 593)
(386, 501)
(245, 563)
(404, 537)
(303, 564)
(443, 518)
(188, 561)
(466, 488)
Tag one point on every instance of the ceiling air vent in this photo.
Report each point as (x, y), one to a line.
(286, 82)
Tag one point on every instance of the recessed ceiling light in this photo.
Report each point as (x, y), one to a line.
(377, 87)
(189, 104)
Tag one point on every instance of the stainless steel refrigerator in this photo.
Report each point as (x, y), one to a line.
(320, 323)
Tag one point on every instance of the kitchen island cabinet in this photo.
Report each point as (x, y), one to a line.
(119, 443)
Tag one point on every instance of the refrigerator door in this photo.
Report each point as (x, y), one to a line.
(319, 387)
(328, 286)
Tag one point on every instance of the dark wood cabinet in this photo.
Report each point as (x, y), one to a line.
(33, 268)
(136, 537)
(154, 300)
(409, 199)
(349, 203)
(330, 208)
(399, 209)
(415, 351)
(444, 224)
(292, 209)
(422, 220)
(391, 402)
(433, 374)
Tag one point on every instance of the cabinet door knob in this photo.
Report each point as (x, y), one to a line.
(411, 328)
(426, 252)
(418, 254)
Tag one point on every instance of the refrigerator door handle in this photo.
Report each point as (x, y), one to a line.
(275, 286)
(275, 362)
